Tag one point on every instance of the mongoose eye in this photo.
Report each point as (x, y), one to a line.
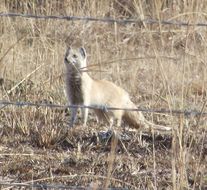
(75, 56)
(66, 60)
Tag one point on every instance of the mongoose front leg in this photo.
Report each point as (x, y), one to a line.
(84, 115)
(111, 122)
(73, 117)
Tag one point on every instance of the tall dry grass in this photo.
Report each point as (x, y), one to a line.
(161, 66)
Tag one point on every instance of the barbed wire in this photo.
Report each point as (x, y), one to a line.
(47, 186)
(104, 19)
(188, 113)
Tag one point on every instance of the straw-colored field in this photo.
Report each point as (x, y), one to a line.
(160, 66)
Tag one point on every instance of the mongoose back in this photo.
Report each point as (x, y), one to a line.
(83, 90)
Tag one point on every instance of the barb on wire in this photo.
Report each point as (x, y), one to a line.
(188, 113)
(106, 19)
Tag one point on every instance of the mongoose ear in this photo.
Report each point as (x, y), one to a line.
(83, 52)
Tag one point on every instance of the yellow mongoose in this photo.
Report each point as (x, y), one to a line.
(83, 90)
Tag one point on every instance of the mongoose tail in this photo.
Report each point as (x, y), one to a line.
(136, 119)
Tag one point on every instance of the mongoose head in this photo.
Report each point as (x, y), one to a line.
(75, 57)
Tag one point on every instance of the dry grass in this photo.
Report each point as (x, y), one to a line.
(35, 143)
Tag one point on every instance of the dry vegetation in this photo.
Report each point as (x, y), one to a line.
(161, 66)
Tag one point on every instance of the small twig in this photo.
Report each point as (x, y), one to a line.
(8, 50)
(15, 86)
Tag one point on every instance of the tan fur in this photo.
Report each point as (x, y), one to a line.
(100, 93)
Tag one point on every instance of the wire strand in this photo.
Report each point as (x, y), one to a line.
(188, 113)
(104, 19)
